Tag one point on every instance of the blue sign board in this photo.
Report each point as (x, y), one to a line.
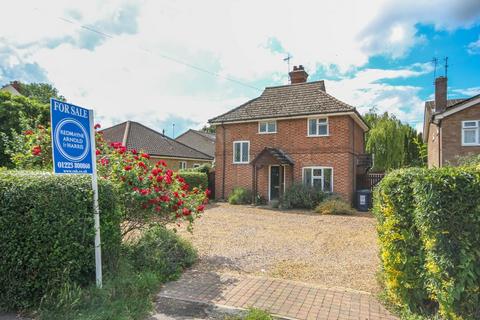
(71, 138)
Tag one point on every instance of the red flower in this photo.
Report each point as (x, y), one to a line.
(155, 171)
(28, 132)
(208, 192)
(144, 192)
(165, 198)
(159, 178)
(186, 212)
(142, 164)
(116, 145)
(134, 151)
(36, 150)
(180, 179)
(97, 152)
(169, 172)
(200, 208)
(185, 187)
(145, 155)
(97, 126)
(104, 161)
(168, 179)
(175, 194)
(127, 168)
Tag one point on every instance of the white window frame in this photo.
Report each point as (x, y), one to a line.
(182, 165)
(477, 133)
(318, 135)
(241, 151)
(316, 177)
(266, 127)
(196, 165)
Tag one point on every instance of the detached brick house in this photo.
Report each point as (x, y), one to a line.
(293, 133)
(451, 127)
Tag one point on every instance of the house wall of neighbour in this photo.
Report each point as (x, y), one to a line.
(451, 146)
(174, 164)
(336, 150)
(433, 145)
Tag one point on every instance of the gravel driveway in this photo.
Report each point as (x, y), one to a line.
(334, 251)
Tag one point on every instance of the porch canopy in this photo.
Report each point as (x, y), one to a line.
(266, 158)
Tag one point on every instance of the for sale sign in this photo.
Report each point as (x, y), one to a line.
(71, 138)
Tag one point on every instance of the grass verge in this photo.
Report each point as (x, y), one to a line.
(159, 256)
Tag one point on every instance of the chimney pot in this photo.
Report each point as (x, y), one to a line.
(298, 75)
(440, 94)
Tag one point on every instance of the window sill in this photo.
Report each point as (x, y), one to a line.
(267, 132)
(241, 162)
(318, 136)
(470, 145)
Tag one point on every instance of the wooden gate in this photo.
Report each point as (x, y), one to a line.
(369, 180)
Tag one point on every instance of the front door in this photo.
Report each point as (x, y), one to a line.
(274, 182)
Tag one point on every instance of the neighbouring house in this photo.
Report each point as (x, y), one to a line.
(13, 88)
(294, 133)
(451, 127)
(199, 140)
(136, 136)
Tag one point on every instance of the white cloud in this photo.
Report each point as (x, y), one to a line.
(469, 92)
(474, 47)
(366, 90)
(127, 76)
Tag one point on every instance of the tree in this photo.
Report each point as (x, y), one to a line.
(14, 110)
(42, 92)
(209, 129)
(393, 144)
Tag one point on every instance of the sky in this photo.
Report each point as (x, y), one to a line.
(163, 62)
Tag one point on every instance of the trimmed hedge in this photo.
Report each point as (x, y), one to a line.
(47, 234)
(195, 179)
(240, 195)
(429, 228)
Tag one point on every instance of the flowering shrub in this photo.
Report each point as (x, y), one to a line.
(150, 192)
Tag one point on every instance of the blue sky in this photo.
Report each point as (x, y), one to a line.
(376, 53)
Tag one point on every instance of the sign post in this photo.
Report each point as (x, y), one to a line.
(73, 149)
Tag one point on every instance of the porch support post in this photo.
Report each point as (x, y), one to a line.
(254, 182)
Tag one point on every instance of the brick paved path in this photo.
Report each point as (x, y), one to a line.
(283, 298)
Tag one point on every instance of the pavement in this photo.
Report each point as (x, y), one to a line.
(210, 295)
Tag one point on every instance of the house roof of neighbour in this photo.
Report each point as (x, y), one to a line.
(135, 135)
(291, 100)
(209, 136)
(450, 103)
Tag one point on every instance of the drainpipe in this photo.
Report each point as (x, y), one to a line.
(223, 162)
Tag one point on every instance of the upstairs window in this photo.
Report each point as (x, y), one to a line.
(241, 151)
(471, 133)
(182, 165)
(267, 127)
(320, 178)
(318, 127)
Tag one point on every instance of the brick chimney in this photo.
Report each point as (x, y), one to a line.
(298, 75)
(16, 84)
(440, 94)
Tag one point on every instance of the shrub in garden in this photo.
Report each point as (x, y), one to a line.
(47, 234)
(148, 192)
(302, 197)
(195, 179)
(240, 196)
(162, 251)
(429, 230)
(334, 206)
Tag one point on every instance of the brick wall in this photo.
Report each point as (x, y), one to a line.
(452, 135)
(174, 164)
(336, 151)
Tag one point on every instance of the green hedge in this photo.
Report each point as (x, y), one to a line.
(429, 229)
(195, 179)
(300, 196)
(240, 195)
(47, 234)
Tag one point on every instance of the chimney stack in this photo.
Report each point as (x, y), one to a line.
(440, 94)
(298, 75)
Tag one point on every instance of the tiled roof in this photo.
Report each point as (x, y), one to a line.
(140, 137)
(210, 136)
(451, 102)
(285, 101)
